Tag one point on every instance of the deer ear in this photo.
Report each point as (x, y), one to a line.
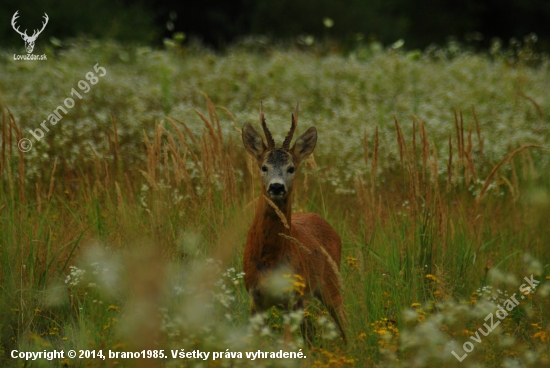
(305, 144)
(253, 142)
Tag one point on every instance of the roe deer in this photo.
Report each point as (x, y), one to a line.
(279, 243)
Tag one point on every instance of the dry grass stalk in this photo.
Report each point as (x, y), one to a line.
(251, 166)
(107, 178)
(441, 223)
(374, 166)
(182, 169)
(52, 180)
(434, 166)
(231, 116)
(414, 140)
(334, 267)
(129, 190)
(471, 166)
(214, 120)
(496, 180)
(360, 188)
(9, 139)
(415, 166)
(425, 151)
(295, 241)
(175, 155)
(532, 100)
(10, 182)
(462, 136)
(230, 182)
(206, 161)
(450, 165)
(532, 170)
(403, 151)
(524, 166)
(166, 166)
(310, 161)
(178, 176)
(150, 174)
(183, 142)
(414, 145)
(97, 166)
(210, 130)
(117, 147)
(515, 180)
(469, 156)
(365, 148)
(38, 186)
(218, 126)
(4, 141)
(494, 171)
(365, 202)
(278, 212)
(120, 200)
(479, 138)
(400, 140)
(458, 135)
(187, 130)
(468, 153)
(511, 188)
(157, 139)
(21, 161)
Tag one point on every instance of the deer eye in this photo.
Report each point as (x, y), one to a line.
(264, 168)
(291, 170)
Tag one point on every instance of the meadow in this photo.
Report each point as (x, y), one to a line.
(122, 228)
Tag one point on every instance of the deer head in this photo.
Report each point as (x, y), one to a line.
(278, 164)
(29, 40)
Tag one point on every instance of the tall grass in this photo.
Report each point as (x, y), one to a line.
(134, 240)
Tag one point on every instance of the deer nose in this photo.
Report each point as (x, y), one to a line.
(277, 189)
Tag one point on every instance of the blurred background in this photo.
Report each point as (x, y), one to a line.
(218, 24)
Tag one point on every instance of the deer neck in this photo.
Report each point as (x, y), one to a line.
(268, 226)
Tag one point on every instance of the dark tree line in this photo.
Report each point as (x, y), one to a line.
(219, 23)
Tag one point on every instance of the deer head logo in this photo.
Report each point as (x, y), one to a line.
(29, 40)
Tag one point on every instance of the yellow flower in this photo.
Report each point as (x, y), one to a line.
(431, 277)
(362, 336)
(298, 283)
(414, 305)
(352, 262)
(113, 307)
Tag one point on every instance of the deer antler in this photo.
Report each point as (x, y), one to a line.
(35, 34)
(268, 137)
(288, 138)
(13, 20)
(24, 34)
